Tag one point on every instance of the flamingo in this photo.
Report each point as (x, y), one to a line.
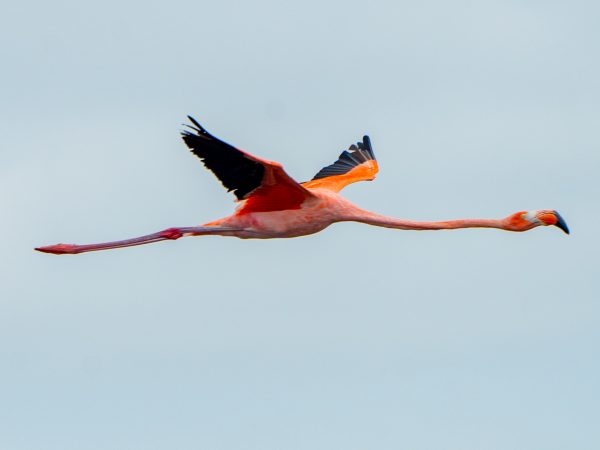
(271, 204)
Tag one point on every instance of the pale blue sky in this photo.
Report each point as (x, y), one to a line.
(355, 338)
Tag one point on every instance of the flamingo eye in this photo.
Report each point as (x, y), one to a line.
(533, 217)
(547, 217)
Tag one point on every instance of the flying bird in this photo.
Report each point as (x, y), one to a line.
(271, 204)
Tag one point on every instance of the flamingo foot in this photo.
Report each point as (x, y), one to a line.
(59, 249)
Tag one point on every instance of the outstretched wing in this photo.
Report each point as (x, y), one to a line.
(355, 164)
(264, 184)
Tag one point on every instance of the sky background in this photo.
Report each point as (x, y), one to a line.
(355, 338)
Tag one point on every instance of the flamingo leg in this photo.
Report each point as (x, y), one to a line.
(168, 234)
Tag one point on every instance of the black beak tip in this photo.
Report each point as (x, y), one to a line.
(560, 223)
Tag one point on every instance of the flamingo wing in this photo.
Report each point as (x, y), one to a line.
(264, 184)
(358, 163)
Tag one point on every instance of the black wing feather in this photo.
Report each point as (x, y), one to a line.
(231, 166)
(349, 159)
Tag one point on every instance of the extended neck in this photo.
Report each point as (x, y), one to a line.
(403, 224)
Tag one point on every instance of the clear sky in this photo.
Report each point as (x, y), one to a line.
(355, 338)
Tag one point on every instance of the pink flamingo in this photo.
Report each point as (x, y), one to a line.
(273, 205)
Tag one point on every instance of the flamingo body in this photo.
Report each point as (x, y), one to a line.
(273, 205)
(313, 215)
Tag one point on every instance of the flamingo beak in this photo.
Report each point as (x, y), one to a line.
(560, 222)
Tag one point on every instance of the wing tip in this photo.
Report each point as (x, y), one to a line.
(198, 129)
(367, 141)
(366, 146)
(195, 122)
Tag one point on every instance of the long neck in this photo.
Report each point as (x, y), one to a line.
(403, 224)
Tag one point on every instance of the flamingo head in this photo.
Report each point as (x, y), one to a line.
(526, 220)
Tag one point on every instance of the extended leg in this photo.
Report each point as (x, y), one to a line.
(168, 234)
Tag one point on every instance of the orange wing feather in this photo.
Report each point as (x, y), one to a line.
(356, 164)
(363, 172)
